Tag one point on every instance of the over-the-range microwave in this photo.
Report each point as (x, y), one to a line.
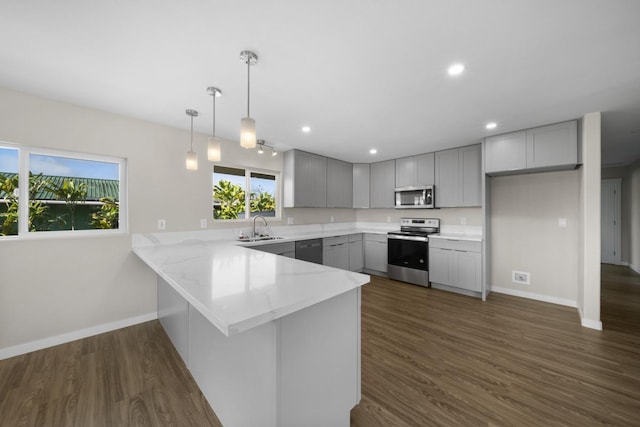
(422, 197)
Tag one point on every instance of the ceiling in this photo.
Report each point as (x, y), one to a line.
(361, 73)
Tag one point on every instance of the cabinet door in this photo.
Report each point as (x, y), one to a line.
(468, 270)
(361, 185)
(336, 256)
(383, 178)
(356, 253)
(425, 164)
(406, 172)
(470, 176)
(553, 145)
(305, 180)
(447, 178)
(339, 184)
(506, 152)
(375, 254)
(441, 266)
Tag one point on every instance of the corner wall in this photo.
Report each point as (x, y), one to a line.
(589, 234)
(634, 215)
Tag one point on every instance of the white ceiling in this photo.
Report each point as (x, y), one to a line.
(361, 73)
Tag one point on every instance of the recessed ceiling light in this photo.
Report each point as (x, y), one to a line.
(373, 151)
(491, 125)
(306, 129)
(455, 69)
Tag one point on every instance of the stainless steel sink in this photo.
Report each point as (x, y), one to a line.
(259, 238)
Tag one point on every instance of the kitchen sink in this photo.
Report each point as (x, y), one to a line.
(259, 238)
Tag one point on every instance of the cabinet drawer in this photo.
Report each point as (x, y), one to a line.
(460, 245)
(277, 248)
(370, 237)
(337, 240)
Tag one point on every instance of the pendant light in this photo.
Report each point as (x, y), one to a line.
(247, 124)
(192, 156)
(214, 153)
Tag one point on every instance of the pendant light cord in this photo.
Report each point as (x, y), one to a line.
(248, 83)
(191, 133)
(214, 114)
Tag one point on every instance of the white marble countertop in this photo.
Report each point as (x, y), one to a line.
(237, 288)
(454, 236)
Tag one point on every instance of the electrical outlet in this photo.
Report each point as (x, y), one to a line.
(331, 218)
(388, 219)
(562, 222)
(162, 224)
(203, 223)
(289, 220)
(463, 220)
(522, 277)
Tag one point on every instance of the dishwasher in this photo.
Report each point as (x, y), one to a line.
(309, 250)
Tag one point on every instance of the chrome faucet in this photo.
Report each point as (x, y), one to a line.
(254, 223)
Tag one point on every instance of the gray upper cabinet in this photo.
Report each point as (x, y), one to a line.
(361, 173)
(383, 177)
(458, 177)
(339, 184)
(305, 180)
(506, 152)
(545, 148)
(426, 169)
(470, 176)
(553, 145)
(447, 180)
(415, 170)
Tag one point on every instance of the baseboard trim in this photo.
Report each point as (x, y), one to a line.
(28, 347)
(589, 323)
(534, 296)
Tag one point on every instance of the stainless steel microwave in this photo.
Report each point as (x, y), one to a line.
(422, 197)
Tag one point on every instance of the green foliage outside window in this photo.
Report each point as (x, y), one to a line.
(230, 200)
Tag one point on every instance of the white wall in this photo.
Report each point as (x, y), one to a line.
(58, 286)
(448, 216)
(525, 235)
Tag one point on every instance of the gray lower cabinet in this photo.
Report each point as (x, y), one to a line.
(356, 252)
(415, 170)
(304, 180)
(383, 178)
(375, 252)
(339, 184)
(287, 249)
(361, 190)
(458, 174)
(456, 263)
(335, 252)
(545, 148)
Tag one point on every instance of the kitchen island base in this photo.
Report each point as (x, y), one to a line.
(302, 369)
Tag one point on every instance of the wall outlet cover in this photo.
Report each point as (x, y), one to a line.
(203, 223)
(162, 224)
(521, 277)
(289, 220)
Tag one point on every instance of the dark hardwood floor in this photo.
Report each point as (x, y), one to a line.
(429, 357)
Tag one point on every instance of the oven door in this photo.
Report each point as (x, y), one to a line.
(408, 251)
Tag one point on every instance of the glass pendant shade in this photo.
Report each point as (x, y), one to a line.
(213, 149)
(192, 161)
(248, 133)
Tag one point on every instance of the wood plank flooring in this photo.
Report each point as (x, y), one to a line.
(429, 357)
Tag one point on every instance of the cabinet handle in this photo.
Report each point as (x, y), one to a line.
(460, 250)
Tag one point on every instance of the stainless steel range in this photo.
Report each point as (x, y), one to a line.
(408, 250)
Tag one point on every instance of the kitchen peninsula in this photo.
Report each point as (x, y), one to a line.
(271, 341)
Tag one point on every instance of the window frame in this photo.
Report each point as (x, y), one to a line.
(247, 200)
(24, 152)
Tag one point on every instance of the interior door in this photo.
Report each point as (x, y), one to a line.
(610, 221)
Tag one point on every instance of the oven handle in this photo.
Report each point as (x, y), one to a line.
(412, 238)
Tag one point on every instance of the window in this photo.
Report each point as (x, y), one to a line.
(237, 191)
(64, 192)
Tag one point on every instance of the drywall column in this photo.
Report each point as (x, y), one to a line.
(589, 257)
(634, 218)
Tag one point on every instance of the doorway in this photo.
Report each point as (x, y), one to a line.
(611, 221)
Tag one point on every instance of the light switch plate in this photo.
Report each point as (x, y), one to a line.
(203, 223)
(162, 224)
